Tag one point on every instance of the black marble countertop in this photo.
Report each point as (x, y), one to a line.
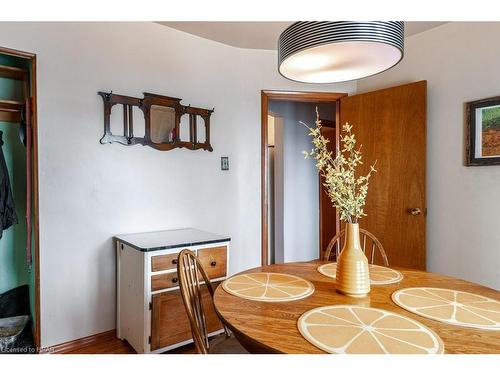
(169, 239)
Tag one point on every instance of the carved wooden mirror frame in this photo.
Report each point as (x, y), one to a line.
(148, 104)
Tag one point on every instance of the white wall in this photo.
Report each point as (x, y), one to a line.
(90, 192)
(298, 182)
(460, 62)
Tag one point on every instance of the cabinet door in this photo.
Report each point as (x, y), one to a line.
(169, 322)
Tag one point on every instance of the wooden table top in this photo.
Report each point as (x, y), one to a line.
(271, 327)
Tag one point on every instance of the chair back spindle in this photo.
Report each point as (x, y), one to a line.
(335, 246)
(191, 275)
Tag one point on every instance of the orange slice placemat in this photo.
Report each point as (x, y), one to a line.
(269, 287)
(346, 329)
(378, 275)
(450, 306)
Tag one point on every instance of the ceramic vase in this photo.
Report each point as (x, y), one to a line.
(353, 278)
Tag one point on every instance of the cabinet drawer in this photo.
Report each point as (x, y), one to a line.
(214, 261)
(164, 262)
(169, 321)
(163, 281)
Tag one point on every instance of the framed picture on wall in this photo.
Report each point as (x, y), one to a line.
(483, 132)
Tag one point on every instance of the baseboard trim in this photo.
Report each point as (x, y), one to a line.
(67, 347)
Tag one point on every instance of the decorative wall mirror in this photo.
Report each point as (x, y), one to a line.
(168, 123)
(162, 124)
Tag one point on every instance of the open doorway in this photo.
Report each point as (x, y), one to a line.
(295, 227)
(19, 249)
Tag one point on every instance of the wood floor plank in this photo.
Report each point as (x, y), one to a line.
(117, 346)
(108, 343)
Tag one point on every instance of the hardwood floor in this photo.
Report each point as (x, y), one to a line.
(117, 346)
(107, 343)
(111, 346)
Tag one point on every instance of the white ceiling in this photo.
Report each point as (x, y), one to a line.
(260, 35)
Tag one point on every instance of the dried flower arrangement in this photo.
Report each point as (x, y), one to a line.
(346, 191)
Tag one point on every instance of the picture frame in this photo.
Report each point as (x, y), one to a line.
(483, 132)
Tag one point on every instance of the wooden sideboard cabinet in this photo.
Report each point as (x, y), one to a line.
(150, 311)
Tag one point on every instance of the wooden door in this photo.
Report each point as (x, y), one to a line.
(327, 213)
(391, 126)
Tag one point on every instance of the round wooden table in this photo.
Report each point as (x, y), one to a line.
(271, 327)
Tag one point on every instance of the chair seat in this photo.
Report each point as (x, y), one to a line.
(221, 344)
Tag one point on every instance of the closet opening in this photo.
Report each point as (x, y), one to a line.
(298, 220)
(19, 235)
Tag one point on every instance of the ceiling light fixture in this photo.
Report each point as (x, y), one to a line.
(328, 52)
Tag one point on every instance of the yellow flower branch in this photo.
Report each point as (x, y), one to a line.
(346, 191)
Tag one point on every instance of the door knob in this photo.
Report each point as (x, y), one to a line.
(415, 211)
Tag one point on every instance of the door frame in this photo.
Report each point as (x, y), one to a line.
(289, 96)
(32, 58)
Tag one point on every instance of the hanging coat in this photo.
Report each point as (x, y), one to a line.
(8, 216)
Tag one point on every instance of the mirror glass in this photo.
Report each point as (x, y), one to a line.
(162, 124)
(116, 120)
(200, 130)
(184, 128)
(139, 123)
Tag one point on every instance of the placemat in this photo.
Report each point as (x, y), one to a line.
(269, 287)
(378, 275)
(451, 306)
(346, 329)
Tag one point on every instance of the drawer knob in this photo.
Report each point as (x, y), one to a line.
(213, 263)
(174, 261)
(174, 280)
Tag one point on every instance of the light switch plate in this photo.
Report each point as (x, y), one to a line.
(224, 163)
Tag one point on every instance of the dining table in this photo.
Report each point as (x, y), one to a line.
(271, 327)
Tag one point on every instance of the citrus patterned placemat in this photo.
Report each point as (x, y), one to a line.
(451, 306)
(270, 287)
(346, 329)
(378, 275)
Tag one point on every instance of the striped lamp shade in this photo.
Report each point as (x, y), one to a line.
(327, 52)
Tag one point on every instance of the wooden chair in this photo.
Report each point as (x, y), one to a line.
(191, 278)
(365, 237)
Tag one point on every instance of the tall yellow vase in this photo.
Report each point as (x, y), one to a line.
(353, 278)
